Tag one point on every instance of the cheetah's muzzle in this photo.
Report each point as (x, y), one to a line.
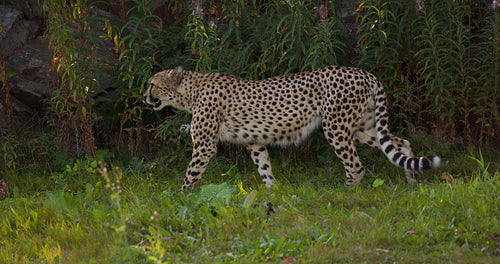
(155, 102)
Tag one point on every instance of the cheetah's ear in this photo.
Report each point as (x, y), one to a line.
(176, 75)
(178, 69)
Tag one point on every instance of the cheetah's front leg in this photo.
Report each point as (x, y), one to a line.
(260, 157)
(202, 153)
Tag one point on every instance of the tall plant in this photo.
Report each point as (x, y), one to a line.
(203, 38)
(328, 44)
(383, 47)
(456, 72)
(5, 92)
(259, 40)
(379, 40)
(438, 61)
(487, 101)
(284, 36)
(137, 51)
(72, 40)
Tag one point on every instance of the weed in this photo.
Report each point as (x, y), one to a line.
(9, 147)
(75, 65)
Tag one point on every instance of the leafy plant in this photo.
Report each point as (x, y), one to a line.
(73, 39)
(433, 59)
(10, 151)
(136, 67)
(328, 42)
(449, 57)
(384, 46)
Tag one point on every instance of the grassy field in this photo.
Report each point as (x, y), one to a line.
(89, 211)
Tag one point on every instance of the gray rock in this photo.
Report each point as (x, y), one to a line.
(31, 68)
(30, 8)
(29, 92)
(16, 30)
(32, 62)
(8, 17)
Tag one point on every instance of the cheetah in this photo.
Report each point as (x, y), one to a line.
(349, 104)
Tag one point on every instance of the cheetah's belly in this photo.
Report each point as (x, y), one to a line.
(268, 130)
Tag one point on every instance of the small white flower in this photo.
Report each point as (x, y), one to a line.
(185, 128)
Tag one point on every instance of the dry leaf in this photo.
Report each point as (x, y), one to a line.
(410, 232)
(289, 260)
(447, 177)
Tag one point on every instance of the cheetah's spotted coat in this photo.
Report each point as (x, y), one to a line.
(349, 104)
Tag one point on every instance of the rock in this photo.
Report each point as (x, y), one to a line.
(17, 106)
(31, 68)
(16, 30)
(28, 62)
(31, 62)
(8, 17)
(29, 92)
(30, 8)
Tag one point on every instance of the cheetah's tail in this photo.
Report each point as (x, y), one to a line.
(393, 154)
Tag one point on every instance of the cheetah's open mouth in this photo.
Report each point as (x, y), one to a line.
(155, 102)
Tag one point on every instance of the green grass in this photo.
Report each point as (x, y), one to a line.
(88, 212)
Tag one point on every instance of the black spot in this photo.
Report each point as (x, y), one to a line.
(396, 156)
(389, 149)
(383, 140)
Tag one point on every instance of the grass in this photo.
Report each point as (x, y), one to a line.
(89, 212)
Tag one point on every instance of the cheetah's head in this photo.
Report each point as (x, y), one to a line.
(164, 89)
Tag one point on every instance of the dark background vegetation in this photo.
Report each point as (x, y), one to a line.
(438, 60)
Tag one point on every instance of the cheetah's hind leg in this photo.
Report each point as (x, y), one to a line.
(260, 157)
(366, 133)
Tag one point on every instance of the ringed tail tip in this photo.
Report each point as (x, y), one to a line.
(436, 161)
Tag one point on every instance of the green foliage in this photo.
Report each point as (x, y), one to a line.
(380, 39)
(444, 49)
(77, 69)
(145, 45)
(433, 59)
(377, 183)
(329, 43)
(9, 147)
(138, 45)
(263, 39)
